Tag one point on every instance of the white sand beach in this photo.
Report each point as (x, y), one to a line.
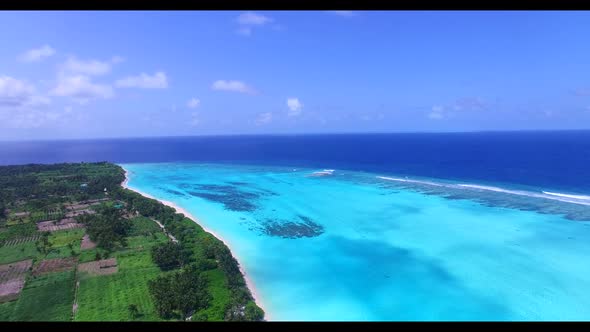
(179, 209)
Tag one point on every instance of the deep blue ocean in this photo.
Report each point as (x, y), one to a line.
(553, 160)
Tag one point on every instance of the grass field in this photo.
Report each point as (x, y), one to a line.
(65, 237)
(106, 298)
(54, 290)
(90, 255)
(145, 242)
(6, 311)
(19, 252)
(60, 241)
(143, 226)
(219, 295)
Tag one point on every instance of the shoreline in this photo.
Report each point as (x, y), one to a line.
(179, 209)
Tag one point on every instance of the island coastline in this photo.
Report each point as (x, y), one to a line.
(249, 282)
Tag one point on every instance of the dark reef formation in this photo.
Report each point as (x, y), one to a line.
(304, 227)
(233, 197)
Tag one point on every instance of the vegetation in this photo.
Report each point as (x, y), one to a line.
(181, 293)
(107, 297)
(46, 298)
(107, 228)
(170, 255)
(154, 279)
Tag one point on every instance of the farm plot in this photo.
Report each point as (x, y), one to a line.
(12, 279)
(55, 265)
(20, 240)
(101, 267)
(19, 252)
(76, 213)
(87, 243)
(54, 225)
(55, 291)
(107, 297)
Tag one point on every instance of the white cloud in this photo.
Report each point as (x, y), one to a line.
(435, 115)
(26, 118)
(470, 104)
(85, 67)
(264, 118)
(248, 20)
(19, 105)
(81, 88)
(251, 18)
(437, 108)
(19, 93)
(14, 92)
(295, 106)
(437, 112)
(234, 86)
(193, 103)
(37, 54)
(38, 101)
(144, 81)
(344, 13)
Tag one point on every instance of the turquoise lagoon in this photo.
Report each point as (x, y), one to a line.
(352, 246)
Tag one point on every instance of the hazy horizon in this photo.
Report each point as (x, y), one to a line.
(290, 134)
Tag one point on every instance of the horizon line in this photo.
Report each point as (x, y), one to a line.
(291, 134)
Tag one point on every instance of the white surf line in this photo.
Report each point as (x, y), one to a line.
(409, 180)
(567, 195)
(574, 199)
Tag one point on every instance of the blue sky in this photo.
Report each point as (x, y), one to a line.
(117, 74)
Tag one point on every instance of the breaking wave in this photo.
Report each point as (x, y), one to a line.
(568, 198)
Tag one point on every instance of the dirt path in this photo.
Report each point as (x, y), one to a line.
(75, 306)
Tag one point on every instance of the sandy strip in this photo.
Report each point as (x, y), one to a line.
(249, 282)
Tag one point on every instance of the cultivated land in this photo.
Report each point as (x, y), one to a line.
(76, 246)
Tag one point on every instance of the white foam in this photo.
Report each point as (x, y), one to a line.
(497, 189)
(412, 181)
(568, 195)
(576, 199)
(322, 173)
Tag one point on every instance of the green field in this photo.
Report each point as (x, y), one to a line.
(144, 226)
(7, 310)
(106, 298)
(219, 293)
(54, 290)
(65, 237)
(19, 252)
